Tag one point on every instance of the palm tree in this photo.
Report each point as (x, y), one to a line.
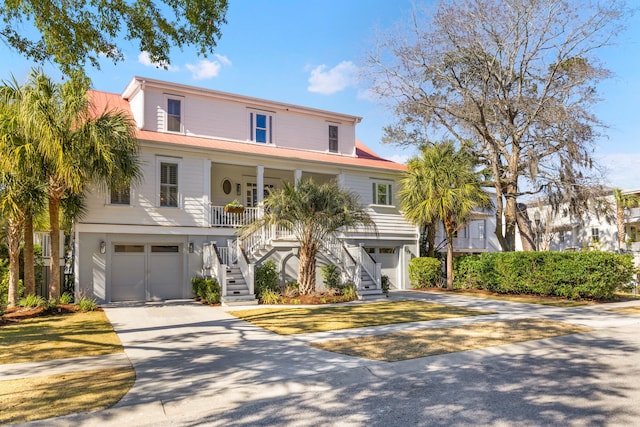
(623, 201)
(444, 187)
(76, 145)
(312, 212)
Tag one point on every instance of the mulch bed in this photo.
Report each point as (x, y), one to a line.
(16, 314)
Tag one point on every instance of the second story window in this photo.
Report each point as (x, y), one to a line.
(120, 196)
(174, 115)
(595, 235)
(382, 193)
(169, 184)
(333, 138)
(261, 127)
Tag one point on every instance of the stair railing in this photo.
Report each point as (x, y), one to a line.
(218, 267)
(246, 268)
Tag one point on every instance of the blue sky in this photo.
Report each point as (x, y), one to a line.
(308, 53)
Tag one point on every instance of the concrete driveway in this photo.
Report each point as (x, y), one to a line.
(198, 365)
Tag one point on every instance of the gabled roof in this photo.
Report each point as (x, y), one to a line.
(365, 157)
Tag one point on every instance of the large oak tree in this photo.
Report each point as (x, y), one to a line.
(517, 78)
(72, 33)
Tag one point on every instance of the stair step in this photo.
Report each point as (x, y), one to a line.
(239, 300)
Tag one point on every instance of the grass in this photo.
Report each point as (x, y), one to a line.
(287, 321)
(429, 342)
(49, 396)
(528, 299)
(627, 310)
(58, 337)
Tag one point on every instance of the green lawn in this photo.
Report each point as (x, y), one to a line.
(287, 321)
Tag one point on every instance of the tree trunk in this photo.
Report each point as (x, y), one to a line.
(510, 224)
(54, 220)
(527, 235)
(14, 232)
(431, 240)
(428, 240)
(29, 262)
(307, 270)
(620, 224)
(449, 260)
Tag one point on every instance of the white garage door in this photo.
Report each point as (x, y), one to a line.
(165, 272)
(128, 273)
(146, 272)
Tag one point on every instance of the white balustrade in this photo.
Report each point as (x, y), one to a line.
(219, 218)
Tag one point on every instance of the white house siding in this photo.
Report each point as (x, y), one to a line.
(204, 116)
(144, 207)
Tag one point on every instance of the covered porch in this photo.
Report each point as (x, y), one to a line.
(241, 183)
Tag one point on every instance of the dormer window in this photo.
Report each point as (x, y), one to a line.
(261, 127)
(174, 115)
(333, 138)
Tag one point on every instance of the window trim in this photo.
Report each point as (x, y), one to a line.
(110, 200)
(269, 123)
(178, 163)
(180, 99)
(595, 234)
(375, 195)
(336, 139)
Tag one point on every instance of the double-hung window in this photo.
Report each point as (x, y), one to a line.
(168, 184)
(381, 193)
(333, 138)
(120, 196)
(261, 127)
(595, 234)
(174, 115)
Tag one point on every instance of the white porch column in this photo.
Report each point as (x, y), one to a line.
(260, 183)
(206, 197)
(297, 176)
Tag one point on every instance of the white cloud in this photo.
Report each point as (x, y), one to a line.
(206, 69)
(399, 158)
(223, 60)
(334, 80)
(144, 59)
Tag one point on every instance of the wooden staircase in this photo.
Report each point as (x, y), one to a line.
(237, 289)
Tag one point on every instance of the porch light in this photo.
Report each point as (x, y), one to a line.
(190, 246)
(103, 247)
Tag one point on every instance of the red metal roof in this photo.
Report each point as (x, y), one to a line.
(365, 157)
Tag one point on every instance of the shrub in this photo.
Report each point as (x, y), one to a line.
(197, 287)
(66, 298)
(331, 276)
(33, 301)
(424, 272)
(87, 304)
(593, 275)
(206, 289)
(270, 297)
(385, 284)
(266, 279)
(349, 292)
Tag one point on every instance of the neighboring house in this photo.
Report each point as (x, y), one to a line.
(476, 236)
(595, 229)
(202, 149)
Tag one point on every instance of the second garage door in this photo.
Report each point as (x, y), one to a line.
(146, 272)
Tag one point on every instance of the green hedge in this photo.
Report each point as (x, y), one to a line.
(424, 272)
(592, 275)
(207, 290)
(266, 279)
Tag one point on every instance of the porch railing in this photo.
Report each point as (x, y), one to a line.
(219, 218)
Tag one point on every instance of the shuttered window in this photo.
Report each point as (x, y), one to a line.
(168, 184)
